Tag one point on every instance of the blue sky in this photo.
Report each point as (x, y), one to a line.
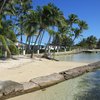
(88, 10)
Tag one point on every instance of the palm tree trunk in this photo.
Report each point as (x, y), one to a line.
(26, 44)
(41, 39)
(28, 40)
(21, 34)
(54, 49)
(48, 44)
(70, 47)
(35, 43)
(29, 43)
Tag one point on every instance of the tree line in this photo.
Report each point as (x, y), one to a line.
(90, 42)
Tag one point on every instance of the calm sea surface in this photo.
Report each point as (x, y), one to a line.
(81, 57)
(85, 87)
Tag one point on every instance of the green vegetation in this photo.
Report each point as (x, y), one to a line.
(7, 37)
(90, 42)
(98, 44)
(18, 19)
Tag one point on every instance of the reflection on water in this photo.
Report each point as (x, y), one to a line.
(85, 87)
(82, 57)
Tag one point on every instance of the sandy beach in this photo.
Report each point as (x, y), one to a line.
(23, 69)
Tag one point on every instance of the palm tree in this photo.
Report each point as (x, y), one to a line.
(30, 26)
(22, 7)
(77, 31)
(73, 22)
(67, 42)
(48, 16)
(91, 42)
(72, 19)
(98, 44)
(3, 41)
(42, 24)
(83, 43)
(82, 25)
(51, 33)
(7, 37)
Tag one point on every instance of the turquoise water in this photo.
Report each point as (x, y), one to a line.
(81, 57)
(91, 88)
(85, 87)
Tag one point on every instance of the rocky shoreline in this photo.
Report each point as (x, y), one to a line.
(9, 89)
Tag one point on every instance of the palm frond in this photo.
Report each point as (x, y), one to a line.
(4, 44)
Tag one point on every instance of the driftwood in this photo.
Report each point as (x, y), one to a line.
(49, 57)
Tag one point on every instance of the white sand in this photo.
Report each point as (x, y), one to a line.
(24, 69)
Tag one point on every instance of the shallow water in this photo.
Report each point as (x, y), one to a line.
(85, 87)
(91, 88)
(81, 57)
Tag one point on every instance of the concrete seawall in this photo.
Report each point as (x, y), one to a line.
(9, 89)
(76, 51)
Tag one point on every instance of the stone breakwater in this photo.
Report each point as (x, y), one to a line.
(9, 89)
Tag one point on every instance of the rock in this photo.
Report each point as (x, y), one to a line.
(82, 69)
(45, 81)
(97, 64)
(71, 73)
(90, 68)
(29, 86)
(10, 87)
